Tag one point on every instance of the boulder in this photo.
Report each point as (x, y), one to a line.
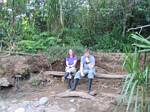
(20, 110)
(43, 101)
(4, 82)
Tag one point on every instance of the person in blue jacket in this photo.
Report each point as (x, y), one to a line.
(87, 68)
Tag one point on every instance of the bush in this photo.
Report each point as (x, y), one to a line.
(58, 52)
(38, 42)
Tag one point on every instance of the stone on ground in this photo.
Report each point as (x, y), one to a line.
(4, 82)
(43, 101)
(20, 110)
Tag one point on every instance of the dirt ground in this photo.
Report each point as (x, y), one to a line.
(107, 89)
(102, 102)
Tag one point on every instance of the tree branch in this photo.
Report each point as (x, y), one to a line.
(140, 27)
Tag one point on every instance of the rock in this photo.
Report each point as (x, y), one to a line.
(27, 104)
(72, 110)
(40, 110)
(20, 110)
(72, 100)
(4, 82)
(36, 104)
(2, 106)
(14, 101)
(93, 93)
(43, 101)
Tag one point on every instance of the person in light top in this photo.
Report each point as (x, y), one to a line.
(87, 68)
(70, 70)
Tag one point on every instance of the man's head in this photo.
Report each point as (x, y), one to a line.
(87, 52)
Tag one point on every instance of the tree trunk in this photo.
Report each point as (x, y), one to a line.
(61, 14)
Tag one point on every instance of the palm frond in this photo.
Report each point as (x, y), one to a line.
(140, 38)
(131, 95)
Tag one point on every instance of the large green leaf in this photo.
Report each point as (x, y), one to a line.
(142, 45)
(131, 95)
(140, 38)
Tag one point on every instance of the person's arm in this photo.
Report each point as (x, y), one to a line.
(81, 70)
(67, 62)
(81, 67)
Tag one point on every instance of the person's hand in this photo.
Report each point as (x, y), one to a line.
(82, 74)
(87, 60)
(71, 66)
(91, 66)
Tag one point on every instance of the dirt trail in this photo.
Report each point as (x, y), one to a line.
(32, 90)
(102, 103)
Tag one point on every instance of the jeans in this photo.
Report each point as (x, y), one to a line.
(90, 73)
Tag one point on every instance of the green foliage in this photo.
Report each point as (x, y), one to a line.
(136, 84)
(71, 37)
(35, 82)
(38, 43)
(58, 52)
(143, 43)
(98, 24)
(112, 42)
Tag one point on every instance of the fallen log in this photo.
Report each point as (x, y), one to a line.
(110, 76)
(98, 75)
(111, 95)
(80, 94)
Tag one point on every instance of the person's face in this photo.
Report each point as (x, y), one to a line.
(70, 52)
(87, 54)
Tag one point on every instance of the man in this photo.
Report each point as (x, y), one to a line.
(87, 68)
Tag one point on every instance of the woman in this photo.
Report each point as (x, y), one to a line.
(70, 70)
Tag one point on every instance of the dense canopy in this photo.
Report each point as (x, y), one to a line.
(35, 25)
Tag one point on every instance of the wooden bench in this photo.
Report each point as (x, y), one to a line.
(98, 75)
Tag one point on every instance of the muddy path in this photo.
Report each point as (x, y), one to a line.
(102, 103)
(36, 86)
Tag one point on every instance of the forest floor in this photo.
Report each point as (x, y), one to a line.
(27, 96)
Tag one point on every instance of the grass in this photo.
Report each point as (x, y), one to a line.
(136, 87)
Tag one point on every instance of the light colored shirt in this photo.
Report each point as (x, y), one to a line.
(91, 61)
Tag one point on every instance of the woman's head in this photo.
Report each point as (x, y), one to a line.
(71, 53)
